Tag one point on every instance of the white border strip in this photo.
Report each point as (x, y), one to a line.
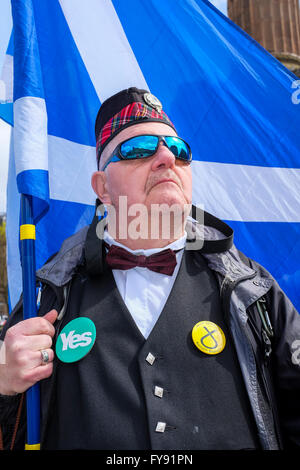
(231, 192)
(71, 166)
(247, 193)
(103, 46)
(30, 134)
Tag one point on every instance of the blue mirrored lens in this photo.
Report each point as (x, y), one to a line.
(178, 147)
(139, 147)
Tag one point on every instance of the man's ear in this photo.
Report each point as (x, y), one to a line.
(99, 185)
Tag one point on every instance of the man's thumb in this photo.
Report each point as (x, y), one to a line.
(51, 316)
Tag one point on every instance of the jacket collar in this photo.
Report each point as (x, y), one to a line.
(213, 239)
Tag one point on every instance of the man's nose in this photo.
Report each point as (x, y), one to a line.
(163, 157)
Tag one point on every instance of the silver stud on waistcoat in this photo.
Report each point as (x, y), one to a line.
(160, 427)
(158, 391)
(150, 358)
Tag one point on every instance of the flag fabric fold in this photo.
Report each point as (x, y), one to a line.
(229, 98)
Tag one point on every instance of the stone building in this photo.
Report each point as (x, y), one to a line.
(275, 24)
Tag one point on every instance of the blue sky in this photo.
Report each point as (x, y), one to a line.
(221, 4)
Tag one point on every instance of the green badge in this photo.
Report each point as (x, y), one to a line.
(76, 340)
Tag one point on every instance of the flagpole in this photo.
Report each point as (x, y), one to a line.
(27, 245)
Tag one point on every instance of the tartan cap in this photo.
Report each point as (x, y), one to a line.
(124, 109)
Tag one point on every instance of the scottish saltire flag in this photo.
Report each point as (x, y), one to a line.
(232, 101)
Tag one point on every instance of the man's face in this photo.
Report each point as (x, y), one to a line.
(160, 179)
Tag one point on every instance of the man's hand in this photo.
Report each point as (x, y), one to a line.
(23, 360)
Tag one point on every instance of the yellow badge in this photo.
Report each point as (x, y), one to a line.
(208, 337)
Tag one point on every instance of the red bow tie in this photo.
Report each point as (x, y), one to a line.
(163, 262)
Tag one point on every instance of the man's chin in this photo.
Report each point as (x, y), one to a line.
(168, 198)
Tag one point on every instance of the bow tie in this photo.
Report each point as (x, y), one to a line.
(163, 262)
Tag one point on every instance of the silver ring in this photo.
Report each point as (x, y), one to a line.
(45, 356)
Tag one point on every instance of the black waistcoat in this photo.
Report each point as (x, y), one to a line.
(107, 399)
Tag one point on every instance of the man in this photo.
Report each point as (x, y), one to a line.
(149, 335)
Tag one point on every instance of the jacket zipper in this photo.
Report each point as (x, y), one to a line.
(227, 288)
(264, 316)
(267, 333)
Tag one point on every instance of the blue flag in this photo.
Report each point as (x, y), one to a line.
(236, 105)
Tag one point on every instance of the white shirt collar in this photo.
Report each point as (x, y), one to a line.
(176, 245)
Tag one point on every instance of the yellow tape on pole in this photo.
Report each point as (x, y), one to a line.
(27, 232)
(32, 446)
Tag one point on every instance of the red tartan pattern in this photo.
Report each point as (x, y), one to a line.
(132, 112)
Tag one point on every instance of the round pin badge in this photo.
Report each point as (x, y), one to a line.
(152, 101)
(208, 337)
(75, 340)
